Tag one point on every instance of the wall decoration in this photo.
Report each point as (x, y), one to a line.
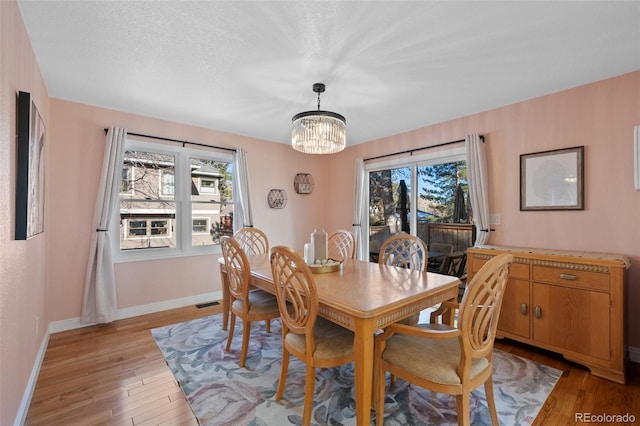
(29, 169)
(303, 183)
(552, 180)
(277, 198)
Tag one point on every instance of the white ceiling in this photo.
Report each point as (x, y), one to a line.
(246, 67)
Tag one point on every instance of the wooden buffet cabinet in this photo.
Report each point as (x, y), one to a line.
(567, 302)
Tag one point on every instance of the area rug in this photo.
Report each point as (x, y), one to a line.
(221, 393)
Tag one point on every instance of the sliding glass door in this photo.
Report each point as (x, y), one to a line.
(408, 195)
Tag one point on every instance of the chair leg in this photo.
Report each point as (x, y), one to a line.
(283, 374)
(232, 328)
(309, 390)
(246, 335)
(268, 325)
(463, 407)
(491, 403)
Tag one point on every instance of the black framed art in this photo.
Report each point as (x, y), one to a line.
(552, 180)
(29, 169)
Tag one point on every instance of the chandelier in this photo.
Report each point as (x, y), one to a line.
(318, 132)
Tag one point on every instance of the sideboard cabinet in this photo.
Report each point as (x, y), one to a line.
(567, 302)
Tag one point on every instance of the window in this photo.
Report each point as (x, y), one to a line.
(407, 195)
(173, 201)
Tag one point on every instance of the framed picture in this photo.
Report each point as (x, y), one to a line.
(29, 169)
(552, 180)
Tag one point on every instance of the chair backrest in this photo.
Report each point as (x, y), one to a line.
(441, 247)
(404, 250)
(296, 292)
(480, 308)
(252, 240)
(342, 245)
(238, 269)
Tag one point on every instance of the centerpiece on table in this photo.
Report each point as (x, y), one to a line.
(316, 254)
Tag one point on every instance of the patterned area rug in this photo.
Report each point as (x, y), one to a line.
(221, 393)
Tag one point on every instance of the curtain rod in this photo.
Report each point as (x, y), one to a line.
(178, 141)
(411, 151)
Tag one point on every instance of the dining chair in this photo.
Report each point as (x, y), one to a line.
(254, 305)
(341, 245)
(252, 240)
(317, 342)
(445, 359)
(404, 250)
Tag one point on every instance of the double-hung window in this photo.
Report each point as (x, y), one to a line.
(174, 201)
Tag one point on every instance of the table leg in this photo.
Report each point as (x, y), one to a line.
(363, 353)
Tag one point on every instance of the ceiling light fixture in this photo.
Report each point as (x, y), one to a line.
(318, 132)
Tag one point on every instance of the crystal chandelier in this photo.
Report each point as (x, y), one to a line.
(318, 132)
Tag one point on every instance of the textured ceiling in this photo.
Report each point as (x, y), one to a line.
(246, 67)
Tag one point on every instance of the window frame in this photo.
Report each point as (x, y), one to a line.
(182, 198)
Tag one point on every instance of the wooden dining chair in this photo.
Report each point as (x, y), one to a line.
(255, 305)
(252, 240)
(317, 342)
(445, 359)
(341, 245)
(404, 250)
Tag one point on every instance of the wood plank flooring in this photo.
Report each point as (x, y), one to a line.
(114, 374)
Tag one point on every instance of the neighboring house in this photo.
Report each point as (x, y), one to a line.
(148, 206)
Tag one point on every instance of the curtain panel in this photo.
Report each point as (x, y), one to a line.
(99, 303)
(478, 186)
(244, 214)
(358, 207)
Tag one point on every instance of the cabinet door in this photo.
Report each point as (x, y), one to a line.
(571, 318)
(515, 312)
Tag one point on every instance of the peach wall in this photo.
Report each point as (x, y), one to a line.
(22, 263)
(601, 116)
(77, 137)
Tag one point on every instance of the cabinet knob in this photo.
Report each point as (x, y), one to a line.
(523, 309)
(538, 312)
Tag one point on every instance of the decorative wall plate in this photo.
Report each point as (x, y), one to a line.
(303, 183)
(277, 198)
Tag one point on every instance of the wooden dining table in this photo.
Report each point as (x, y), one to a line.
(363, 297)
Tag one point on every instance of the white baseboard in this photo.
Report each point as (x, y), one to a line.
(73, 323)
(21, 416)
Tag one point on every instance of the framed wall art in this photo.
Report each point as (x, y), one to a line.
(29, 169)
(552, 180)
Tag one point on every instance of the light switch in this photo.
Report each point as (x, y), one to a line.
(494, 219)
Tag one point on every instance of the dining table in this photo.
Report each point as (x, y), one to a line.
(363, 297)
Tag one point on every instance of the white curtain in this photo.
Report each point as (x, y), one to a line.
(358, 206)
(99, 304)
(478, 186)
(244, 215)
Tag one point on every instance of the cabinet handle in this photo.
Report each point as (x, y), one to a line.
(568, 277)
(538, 312)
(523, 309)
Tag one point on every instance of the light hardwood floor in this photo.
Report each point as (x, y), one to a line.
(115, 375)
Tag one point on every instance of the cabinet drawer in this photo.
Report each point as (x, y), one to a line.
(518, 270)
(571, 277)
